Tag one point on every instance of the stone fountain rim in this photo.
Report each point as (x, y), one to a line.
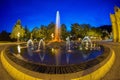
(84, 64)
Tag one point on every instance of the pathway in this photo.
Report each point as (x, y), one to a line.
(114, 73)
(3, 74)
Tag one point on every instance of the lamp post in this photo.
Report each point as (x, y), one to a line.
(18, 36)
(52, 35)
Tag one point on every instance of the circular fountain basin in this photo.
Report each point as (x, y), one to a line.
(56, 59)
(21, 68)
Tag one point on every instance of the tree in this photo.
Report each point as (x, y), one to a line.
(105, 31)
(43, 32)
(50, 30)
(76, 30)
(93, 32)
(105, 34)
(64, 32)
(27, 34)
(36, 33)
(86, 28)
(106, 27)
(4, 36)
(18, 31)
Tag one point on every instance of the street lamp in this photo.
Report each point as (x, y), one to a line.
(52, 35)
(18, 35)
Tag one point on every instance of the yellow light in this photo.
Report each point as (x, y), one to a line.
(53, 51)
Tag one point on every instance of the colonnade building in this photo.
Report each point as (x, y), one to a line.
(115, 20)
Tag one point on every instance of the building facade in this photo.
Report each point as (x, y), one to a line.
(115, 20)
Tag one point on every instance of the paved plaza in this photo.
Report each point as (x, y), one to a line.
(114, 73)
(3, 74)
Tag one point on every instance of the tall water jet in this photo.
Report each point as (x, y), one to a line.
(57, 28)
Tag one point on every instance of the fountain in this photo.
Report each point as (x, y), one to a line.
(30, 43)
(57, 54)
(51, 59)
(87, 43)
(57, 28)
(68, 44)
(67, 58)
(41, 45)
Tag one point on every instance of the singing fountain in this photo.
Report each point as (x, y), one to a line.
(62, 53)
(42, 53)
(58, 60)
(57, 28)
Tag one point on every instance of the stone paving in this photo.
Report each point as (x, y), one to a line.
(113, 74)
(3, 74)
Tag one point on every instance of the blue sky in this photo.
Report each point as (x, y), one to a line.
(42, 12)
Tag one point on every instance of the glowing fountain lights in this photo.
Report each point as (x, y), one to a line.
(57, 28)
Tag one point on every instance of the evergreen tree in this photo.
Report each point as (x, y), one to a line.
(18, 31)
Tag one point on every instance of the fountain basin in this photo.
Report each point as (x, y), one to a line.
(21, 73)
(56, 59)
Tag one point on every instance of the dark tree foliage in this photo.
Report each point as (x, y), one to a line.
(106, 27)
(77, 31)
(27, 34)
(5, 36)
(64, 32)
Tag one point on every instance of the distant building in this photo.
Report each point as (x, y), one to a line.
(115, 20)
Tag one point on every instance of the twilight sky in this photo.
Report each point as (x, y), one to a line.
(37, 12)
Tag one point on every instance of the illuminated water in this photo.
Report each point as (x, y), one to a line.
(58, 56)
(57, 27)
